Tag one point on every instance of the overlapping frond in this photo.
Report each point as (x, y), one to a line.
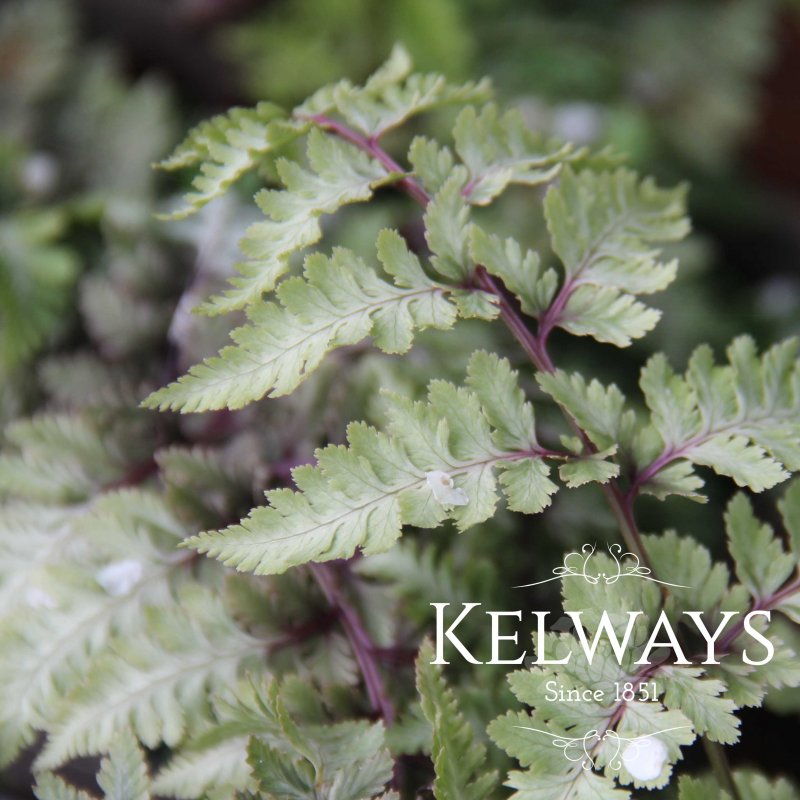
(123, 775)
(339, 301)
(584, 748)
(596, 724)
(305, 760)
(742, 418)
(390, 97)
(227, 146)
(457, 758)
(65, 458)
(115, 638)
(499, 150)
(436, 461)
(94, 571)
(157, 681)
(605, 228)
(339, 174)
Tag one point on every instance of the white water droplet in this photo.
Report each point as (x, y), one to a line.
(645, 758)
(441, 484)
(119, 577)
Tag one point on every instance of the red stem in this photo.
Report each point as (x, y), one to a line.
(526, 338)
(552, 314)
(533, 344)
(762, 604)
(657, 464)
(359, 638)
(137, 474)
(300, 633)
(371, 146)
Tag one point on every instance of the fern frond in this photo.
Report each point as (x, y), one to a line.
(205, 484)
(768, 575)
(432, 163)
(338, 301)
(681, 558)
(599, 410)
(391, 96)
(750, 784)
(123, 773)
(306, 761)
(603, 227)
(158, 682)
(226, 147)
(37, 274)
(194, 773)
(437, 460)
(789, 507)
(216, 760)
(120, 322)
(456, 756)
(446, 219)
(89, 583)
(501, 150)
(689, 699)
(83, 380)
(742, 419)
(31, 537)
(50, 787)
(273, 736)
(520, 272)
(62, 458)
(762, 564)
(529, 736)
(703, 700)
(340, 174)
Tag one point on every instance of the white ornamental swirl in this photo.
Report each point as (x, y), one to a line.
(580, 748)
(624, 569)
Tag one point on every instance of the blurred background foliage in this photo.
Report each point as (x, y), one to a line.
(96, 293)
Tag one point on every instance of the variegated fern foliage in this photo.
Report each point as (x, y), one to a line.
(267, 669)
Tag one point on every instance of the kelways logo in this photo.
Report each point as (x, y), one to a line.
(662, 638)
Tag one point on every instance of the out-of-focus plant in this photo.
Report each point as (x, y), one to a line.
(77, 197)
(662, 80)
(287, 50)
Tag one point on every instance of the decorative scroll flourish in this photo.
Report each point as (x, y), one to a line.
(581, 749)
(576, 565)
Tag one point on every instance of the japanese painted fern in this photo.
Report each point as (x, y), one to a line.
(278, 686)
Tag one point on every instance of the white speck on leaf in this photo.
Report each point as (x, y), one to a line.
(119, 577)
(441, 484)
(645, 758)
